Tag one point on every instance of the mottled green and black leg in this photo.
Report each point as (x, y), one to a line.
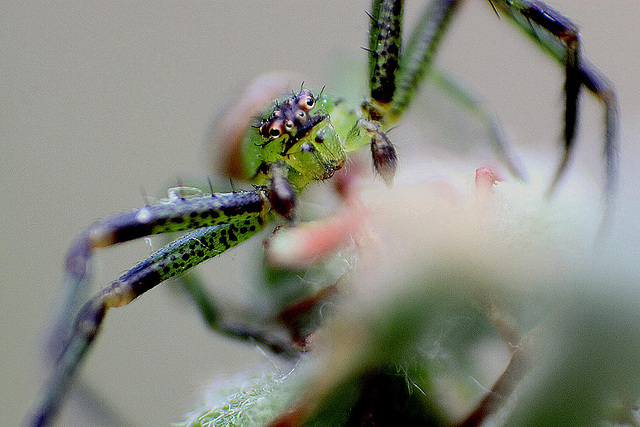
(166, 216)
(559, 37)
(385, 42)
(417, 59)
(174, 259)
(224, 220)
(555, 34)
(396, 76)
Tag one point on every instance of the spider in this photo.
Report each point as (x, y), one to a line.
(303, 137)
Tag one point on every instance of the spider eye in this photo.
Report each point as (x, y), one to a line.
(307, 102)
(288, 125)
(274, 132)
(275, 115)
(301, 115)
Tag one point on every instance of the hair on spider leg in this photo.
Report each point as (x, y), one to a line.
(533, 30)
(392, 128)
(210, 185)
(145, 197)
(371, 16)
(494, 8)
(257, 144)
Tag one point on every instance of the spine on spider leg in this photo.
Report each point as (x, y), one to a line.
(166, 216)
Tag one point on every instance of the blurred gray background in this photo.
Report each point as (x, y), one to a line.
(99, 100)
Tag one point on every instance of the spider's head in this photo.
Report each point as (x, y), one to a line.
(291, 118)
(301, 129)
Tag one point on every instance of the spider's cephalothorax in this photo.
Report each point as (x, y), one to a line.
(295, 143)
(298, 132)
(301, 139)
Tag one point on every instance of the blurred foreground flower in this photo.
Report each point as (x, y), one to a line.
(468, 303)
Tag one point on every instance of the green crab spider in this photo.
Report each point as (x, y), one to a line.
(303, 137)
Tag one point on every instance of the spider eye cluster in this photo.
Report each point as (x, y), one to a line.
(289, 116)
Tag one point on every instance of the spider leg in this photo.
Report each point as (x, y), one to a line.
(395, 75)
(385, 40)
(239, 215)
(603, 89)
(282, 195)
(559, 38)
(403, 72)
(579, 71)
(566, 32)
(173, 259)
(417, 58)
(166, 216)
(469, 102)
(213, 316)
